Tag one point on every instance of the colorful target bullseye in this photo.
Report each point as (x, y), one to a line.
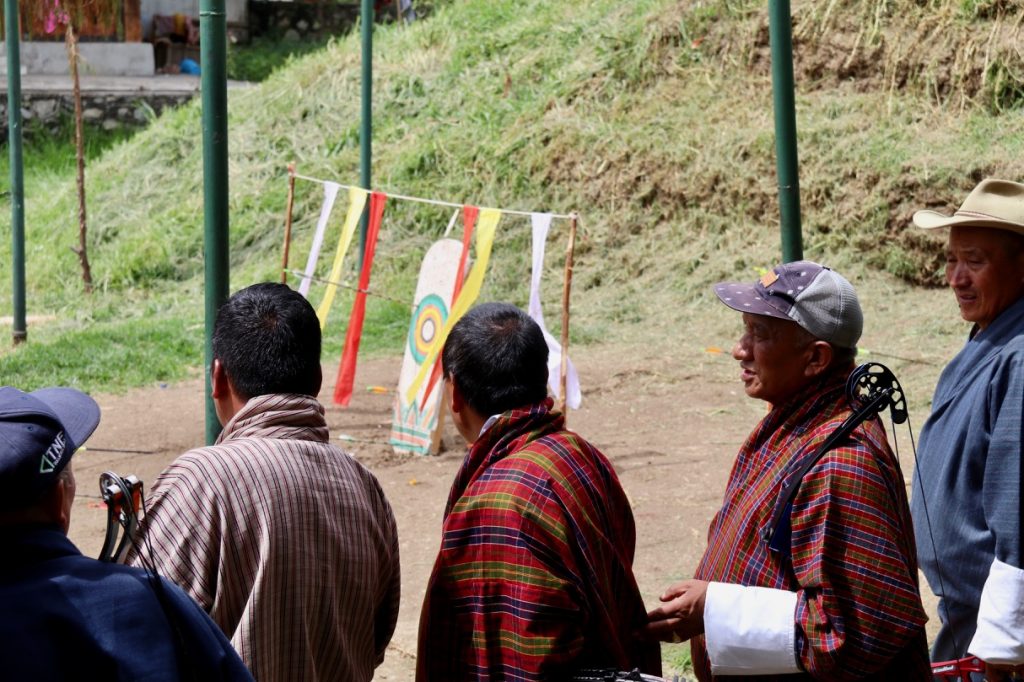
(427, 322)
(415, 424)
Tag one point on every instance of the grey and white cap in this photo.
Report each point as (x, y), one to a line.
(817, 298)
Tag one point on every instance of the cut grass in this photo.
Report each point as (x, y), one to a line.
(49, 153)
(108, 356)
(652, 118)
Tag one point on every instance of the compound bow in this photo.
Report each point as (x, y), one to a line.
(871, 388)
(123, 497)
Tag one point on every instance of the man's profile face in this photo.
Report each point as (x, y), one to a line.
(773, 357)
(985, 268)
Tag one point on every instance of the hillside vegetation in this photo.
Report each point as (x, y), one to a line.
(652, 118)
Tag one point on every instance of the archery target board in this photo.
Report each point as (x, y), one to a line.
(415, 426)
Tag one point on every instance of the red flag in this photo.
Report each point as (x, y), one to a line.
(469, 214)
(347, 369)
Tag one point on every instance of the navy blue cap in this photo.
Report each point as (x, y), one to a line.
(39, 432)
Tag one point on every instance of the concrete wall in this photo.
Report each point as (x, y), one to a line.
(97, 59)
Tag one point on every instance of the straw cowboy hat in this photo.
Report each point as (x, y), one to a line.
(993, 203)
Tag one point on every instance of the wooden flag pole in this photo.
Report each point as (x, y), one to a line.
(288, 222)
(566, 290)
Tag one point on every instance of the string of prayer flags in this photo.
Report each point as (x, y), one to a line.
(479, 229)
(356, 204)
(347, 369)
(541, 225)
(469, 215)
(330, 192)
(485, 229)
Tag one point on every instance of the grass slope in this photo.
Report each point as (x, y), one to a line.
(652, 118)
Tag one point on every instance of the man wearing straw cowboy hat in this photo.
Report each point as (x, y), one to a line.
(970, 453)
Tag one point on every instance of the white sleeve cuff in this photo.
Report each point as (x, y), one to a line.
(750, 630)
(1000, 634)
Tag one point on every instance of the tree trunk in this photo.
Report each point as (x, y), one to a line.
(83, 256)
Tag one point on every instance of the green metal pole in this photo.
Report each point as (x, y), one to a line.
(17, 179)
(780, 33)
(213, 55)
(366, 131)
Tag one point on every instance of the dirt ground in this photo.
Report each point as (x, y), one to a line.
(670, 427)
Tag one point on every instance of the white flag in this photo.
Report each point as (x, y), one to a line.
(541, 225)
(330, 192)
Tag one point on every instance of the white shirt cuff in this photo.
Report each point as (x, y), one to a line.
(750, 630)
(1000, 634)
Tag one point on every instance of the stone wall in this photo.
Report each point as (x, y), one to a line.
(301, 20)
(108, 111)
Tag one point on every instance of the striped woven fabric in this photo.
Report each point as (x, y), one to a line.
(287, 542)
(534, 578)
(853, 563)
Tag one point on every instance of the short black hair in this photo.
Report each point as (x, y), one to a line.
(497, 357)
(267, 337)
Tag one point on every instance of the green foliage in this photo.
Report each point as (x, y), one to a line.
(652, 118)
(982, 9)
(1005, 84)
(256, 60)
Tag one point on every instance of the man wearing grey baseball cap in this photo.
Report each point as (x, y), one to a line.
(837, 597)
(65, 616)
(969, 471)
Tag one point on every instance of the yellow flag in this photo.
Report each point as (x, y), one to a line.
(485, 228)
(356, 202)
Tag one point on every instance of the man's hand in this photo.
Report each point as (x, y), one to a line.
(995, 672)
(681, 615)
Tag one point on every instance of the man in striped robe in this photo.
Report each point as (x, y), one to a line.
(534, 579)
(839, 600)
(286, 541)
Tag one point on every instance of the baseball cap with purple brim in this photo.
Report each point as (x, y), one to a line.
(39, 432)
(817, 298)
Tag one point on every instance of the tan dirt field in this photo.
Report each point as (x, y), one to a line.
(670, 427)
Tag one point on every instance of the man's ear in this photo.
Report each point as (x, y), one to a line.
(821, 355)
(58, 502)
(219, 381)
(458, 400)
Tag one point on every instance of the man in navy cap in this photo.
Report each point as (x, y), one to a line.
(835, 595)
(65, 616)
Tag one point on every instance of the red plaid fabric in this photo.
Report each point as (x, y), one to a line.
(853, 563)
(534, 579)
